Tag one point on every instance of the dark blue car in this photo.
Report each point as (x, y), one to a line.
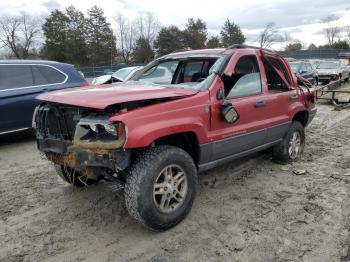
(22, 80)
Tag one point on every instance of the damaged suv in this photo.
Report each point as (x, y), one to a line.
(181, 114)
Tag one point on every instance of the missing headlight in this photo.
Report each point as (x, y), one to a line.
(99, 132)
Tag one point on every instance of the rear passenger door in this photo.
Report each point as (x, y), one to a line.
(280, 98)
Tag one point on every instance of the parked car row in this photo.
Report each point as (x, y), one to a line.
(322, 71)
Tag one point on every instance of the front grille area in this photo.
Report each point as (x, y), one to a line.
(56, 121)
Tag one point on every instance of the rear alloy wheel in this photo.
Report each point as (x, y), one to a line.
(292, 145)
(160, 187)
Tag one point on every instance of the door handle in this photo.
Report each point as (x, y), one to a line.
(294, 97)
(260, 103)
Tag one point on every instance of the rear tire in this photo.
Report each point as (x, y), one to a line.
(292, 145)
(156, 178)
(73, 177)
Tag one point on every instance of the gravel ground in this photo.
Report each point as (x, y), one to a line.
(248, 210)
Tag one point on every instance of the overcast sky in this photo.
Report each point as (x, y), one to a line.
(302, 18)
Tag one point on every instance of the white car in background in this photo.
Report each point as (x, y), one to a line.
(120, 75)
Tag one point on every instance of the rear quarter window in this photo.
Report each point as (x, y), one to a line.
(15, 76)
(44, 75)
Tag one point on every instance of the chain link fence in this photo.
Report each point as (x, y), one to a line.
(94, 71)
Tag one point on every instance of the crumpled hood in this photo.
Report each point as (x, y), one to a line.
(327, 71)
(100, 97)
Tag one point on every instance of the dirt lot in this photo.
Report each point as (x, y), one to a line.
(249, 210)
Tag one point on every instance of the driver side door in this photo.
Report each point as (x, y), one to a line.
(244, 90)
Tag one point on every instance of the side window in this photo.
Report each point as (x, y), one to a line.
(193, 71)
(274, 82)
(15, 76)
(160, 74)
(39, 79)
(245, 80)
(47, 75)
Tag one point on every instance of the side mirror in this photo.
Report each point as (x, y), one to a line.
(228, 113)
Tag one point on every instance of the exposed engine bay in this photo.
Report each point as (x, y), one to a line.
(83, 139)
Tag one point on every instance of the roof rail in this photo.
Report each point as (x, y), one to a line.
(181, 50)
(240, 46)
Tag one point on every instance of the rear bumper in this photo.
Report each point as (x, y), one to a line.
(312, 114)
(64, 153)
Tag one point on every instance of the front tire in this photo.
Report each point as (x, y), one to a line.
(292, 145)
(161, 187)
(73, 177)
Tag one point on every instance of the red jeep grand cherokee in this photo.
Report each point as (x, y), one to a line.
(181, 114)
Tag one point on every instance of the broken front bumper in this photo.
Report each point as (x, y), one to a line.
(67, 154)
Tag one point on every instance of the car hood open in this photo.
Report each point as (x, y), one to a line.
(100, 97)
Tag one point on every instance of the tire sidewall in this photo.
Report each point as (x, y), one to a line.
(147, 209)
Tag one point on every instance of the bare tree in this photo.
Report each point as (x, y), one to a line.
(19, 34)
(268, 35)
(126, 37)
(148, 26)
(331, 32)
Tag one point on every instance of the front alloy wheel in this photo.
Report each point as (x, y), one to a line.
(170, 189)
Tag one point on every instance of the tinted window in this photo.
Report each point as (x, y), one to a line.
(246, 78)
(249, 84)
(192, 68)
(47, 75)
(15, 76)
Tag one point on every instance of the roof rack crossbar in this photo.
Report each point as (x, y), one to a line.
(240, 46)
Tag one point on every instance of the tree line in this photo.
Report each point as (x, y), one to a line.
(88, 39)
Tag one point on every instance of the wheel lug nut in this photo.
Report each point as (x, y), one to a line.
(165, 188)
(168, 195)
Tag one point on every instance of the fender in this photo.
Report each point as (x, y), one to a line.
(144, 135)
(296, 108)
(146, 124)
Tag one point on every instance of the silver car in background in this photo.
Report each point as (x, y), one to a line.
(332, 70)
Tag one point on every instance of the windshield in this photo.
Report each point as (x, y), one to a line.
(196, 72)
(295, 67)
(123, 73)
(328, 65)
